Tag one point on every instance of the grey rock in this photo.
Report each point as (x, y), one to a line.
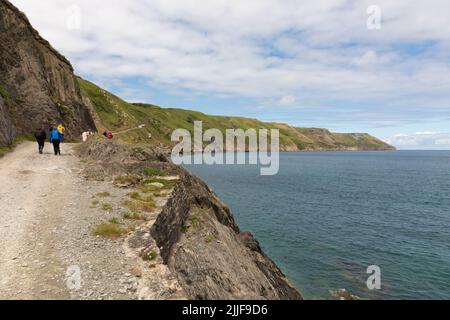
(37, 83)
(199, 240)
(234, 267)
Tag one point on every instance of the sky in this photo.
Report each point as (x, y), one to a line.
(379, 66)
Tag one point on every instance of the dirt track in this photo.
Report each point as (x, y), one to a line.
(46, 223)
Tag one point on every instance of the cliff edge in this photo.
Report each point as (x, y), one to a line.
(211, 257)
(195, 233)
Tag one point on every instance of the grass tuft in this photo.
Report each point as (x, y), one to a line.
(153, 172)
(135, 195)
(148, 188)
(137, 206)
(5, 95)
(209, 238)
(103, 195)
(110, 230)
(149, 256)
(138, 196)
(133, 216)
(107, 207)
(114, 221)
(125, 180)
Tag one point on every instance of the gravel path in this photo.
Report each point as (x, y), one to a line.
(47, 248)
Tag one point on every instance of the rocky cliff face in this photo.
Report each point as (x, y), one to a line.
(7, 130)
(37, 84)
(195, 232)
(211, 257)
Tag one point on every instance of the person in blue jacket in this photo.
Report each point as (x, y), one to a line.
(56, 138)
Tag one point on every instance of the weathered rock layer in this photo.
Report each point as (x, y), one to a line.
(196, 233)
(212, 258)
(37, 84)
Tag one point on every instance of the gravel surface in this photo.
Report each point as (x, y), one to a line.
(47, 247)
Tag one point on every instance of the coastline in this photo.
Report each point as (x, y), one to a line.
(321, 215)
(196, 233)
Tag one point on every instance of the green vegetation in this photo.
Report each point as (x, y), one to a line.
(110, 230)
(4, 150)
(114, 221)
(194, 220)
(149, 256)
(118, 115)
(103, 194)
(138, 206)
(194, 223)
(5, 95)
(18, 140)
(153, 172)
(132, 205)
(133, 216)
(127, 215)
(148, 188)
(157, 193)
(209, 238)
(125, 180)
(138, 196)
(107, 207)
(138, 150)
(135, 195)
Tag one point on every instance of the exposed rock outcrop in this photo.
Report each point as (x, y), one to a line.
(196, 233)
(202, 244)
(37, 84)
(7, 130)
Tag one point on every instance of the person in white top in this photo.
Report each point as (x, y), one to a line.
(84, 136)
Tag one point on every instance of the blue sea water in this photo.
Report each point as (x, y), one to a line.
(327, 216)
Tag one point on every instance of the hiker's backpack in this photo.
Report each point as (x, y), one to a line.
(55, 135)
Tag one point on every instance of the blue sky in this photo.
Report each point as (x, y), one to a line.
(312, 63)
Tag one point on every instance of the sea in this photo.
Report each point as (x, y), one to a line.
(327, 218)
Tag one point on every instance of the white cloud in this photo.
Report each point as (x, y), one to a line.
(421, 140)
(368, 58)
(442, 142)
(287, 101)
(310, 51)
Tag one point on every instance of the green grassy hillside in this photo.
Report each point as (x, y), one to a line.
(117, 115)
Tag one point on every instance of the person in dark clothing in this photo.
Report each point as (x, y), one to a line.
(56, 138)
(40, 136)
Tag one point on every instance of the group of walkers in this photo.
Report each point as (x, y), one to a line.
(56, 137)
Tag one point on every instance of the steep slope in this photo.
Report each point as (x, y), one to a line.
(211, 256)
(117, 115)
(37, 84)
(195, 233)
